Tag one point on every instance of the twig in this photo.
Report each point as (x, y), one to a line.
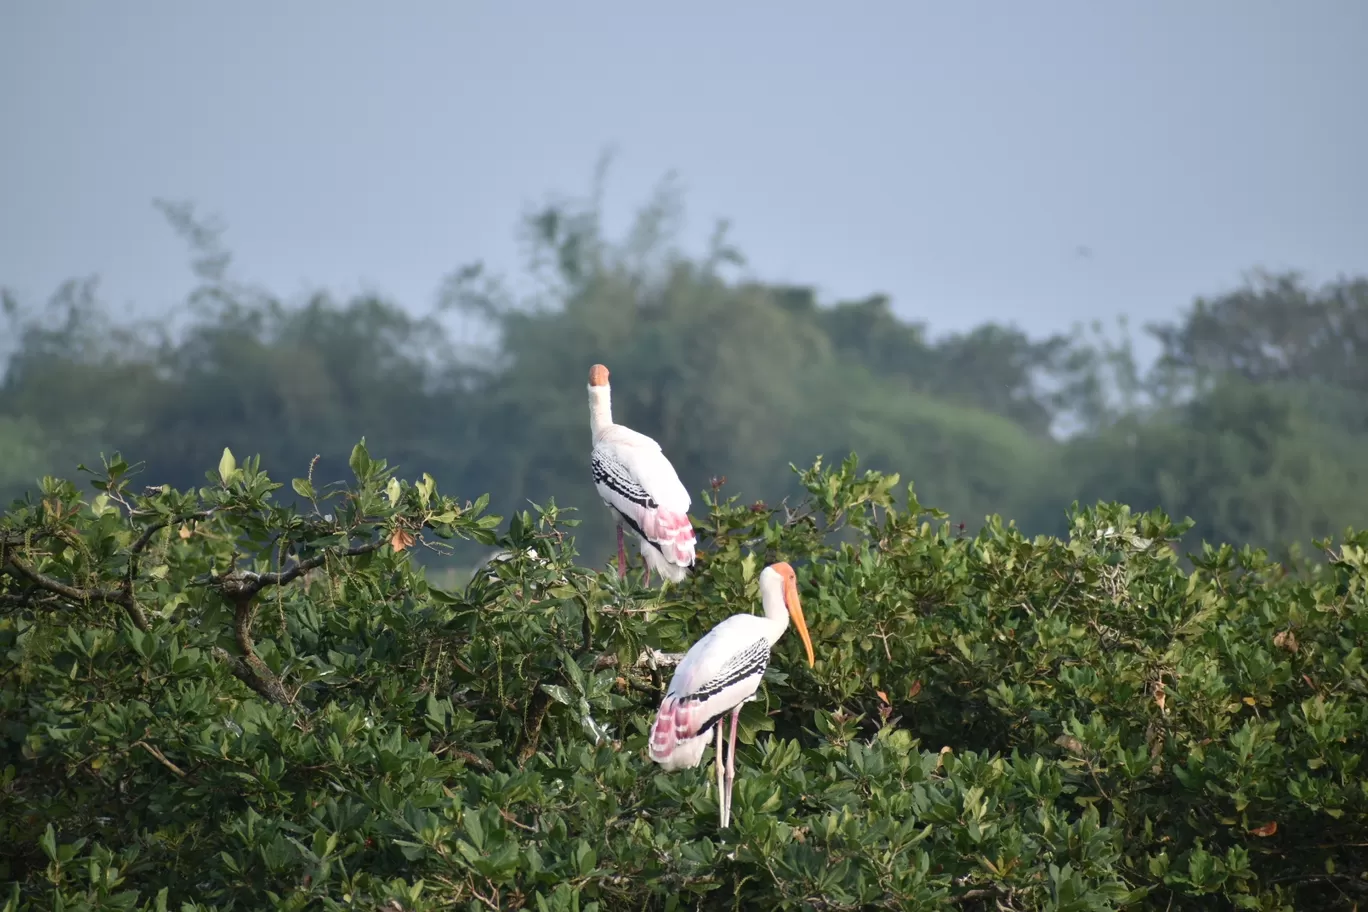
(58, 587)
(240, 588)
(127, 597)
(265, 682)
(24, 599)
(649, 658)
(536, 715)
(1345, 881)
(239, 669)
(146, 538)
(979, 893)
(161, 758)
(488, 902)
(470, 758)
(246, 584)
(16, 567)
(515, 821)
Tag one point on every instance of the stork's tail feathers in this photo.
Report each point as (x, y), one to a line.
(674, 534)
(674, 744)
(658, 563)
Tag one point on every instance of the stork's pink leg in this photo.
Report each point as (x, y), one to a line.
(717, 764)
(622, 554)
(646, 581)
(731, 765)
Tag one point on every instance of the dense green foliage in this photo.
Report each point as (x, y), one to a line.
(1253, 420)
(213, 701)
(243, 695)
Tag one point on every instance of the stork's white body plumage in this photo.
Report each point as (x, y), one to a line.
(719, 674)
(641, 487)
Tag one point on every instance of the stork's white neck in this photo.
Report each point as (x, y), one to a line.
(600, 409)
(772, 598)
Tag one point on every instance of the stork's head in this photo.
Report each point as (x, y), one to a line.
(600, 400)
(781, 576)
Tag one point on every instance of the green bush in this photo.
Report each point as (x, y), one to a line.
(212, 701)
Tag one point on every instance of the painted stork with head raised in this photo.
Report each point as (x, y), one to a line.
(641, 487)
(718, 674)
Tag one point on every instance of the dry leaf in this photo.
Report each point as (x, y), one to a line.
(1250, 701)
(914, 689)
(1287, 640)
(1268, 829)
(1160, 696)
(882, 696)
(400, 540)
(184, 531)
(1071, 744)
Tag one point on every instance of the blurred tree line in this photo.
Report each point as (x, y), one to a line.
(1253, 421)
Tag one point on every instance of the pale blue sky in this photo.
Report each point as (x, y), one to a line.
(953, 155)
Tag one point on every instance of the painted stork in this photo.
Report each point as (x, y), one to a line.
(718, 674)
(641, 487)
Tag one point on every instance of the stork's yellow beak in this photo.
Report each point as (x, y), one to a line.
(795, 610)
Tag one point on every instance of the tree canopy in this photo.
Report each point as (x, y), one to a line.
(214, 701)
(1251, 419)
(224, 692)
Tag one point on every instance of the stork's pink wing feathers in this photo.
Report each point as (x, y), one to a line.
(635, 478)
(720, 672)
(671, 530)
(675, 740)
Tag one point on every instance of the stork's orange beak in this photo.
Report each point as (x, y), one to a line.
(795, 610)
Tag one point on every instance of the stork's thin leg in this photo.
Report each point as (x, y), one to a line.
(731, 766)
(717, 763)
(646, 580)
(622, 554)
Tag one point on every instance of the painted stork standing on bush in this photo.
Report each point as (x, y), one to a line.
(641, 487)
(718, 674)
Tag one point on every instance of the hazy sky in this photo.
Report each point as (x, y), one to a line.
(954, 155)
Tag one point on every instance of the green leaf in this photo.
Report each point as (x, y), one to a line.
(474, 828)
(48, 841)
(227, 467)
(360, 461)
(559, 694)
(752, 721)
(303, 487)
(572, 671)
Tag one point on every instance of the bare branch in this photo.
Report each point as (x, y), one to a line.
(263, 680)
(17, 567)
(649, 658)
(268, 686)
(146, 538)
(161, 758)
(27, 598)
(236, 666)
(470, 758)
(122, 596)
(976, 893)
(242, 585)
